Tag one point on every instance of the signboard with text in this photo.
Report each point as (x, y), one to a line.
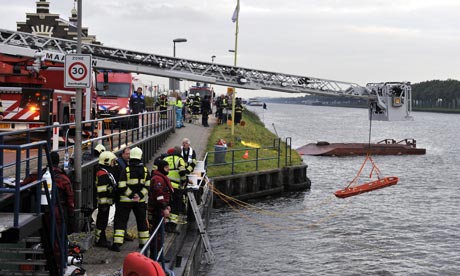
(78, 70)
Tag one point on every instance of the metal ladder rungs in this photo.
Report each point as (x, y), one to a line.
(204, 236)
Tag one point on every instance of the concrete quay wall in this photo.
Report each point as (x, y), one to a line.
(262, 183)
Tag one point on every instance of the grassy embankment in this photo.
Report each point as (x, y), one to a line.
(250, 136)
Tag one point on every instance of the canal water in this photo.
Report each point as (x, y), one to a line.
(412, 228)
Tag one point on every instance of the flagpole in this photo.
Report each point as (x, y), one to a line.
(234, 64)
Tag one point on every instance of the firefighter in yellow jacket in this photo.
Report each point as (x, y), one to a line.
(177, 176)
(133, 192)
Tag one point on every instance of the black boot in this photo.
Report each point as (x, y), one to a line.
(102, 242)
(115, 247)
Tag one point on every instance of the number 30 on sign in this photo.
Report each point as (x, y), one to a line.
(78, 70)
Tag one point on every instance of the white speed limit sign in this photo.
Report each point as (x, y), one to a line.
(77, 72)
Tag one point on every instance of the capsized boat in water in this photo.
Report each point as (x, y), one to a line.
(384, 147)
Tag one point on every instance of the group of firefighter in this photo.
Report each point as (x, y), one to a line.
(193, 107)
(151, 194)
(224, 110)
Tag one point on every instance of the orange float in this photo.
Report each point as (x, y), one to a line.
(381, 182)
(367, 187)
(136, 264)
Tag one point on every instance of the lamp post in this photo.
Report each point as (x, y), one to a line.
(174, 83)
(177, 40)
(212, 58)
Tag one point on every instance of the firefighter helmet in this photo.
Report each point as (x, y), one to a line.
(197, 94)
(135, 153)
(164, 93)
(99, 148)
(106, 158)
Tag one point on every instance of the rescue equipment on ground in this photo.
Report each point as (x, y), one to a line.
(352, 190)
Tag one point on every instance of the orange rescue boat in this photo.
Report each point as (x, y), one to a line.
(367, 187)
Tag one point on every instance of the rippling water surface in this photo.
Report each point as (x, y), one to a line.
(412, 228)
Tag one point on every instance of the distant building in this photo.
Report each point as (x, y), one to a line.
(49, 24)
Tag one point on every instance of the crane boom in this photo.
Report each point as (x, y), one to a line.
(388, 101)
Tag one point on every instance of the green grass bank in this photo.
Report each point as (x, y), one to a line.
(253, 134)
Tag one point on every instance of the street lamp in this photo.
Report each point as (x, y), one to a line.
(212, 58)
(177, 40)
(174, 83)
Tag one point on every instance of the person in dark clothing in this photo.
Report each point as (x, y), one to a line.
(133, 190)
(137, 102)
(123, 160)
(137, 105)
(65, 190)
(106, 185)
(205, 111)
(159, 198)
(163, 104)
(238, 111)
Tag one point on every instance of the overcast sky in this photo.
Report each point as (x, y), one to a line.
(358, 41)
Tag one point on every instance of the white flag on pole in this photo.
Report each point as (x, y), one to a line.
(235, 13)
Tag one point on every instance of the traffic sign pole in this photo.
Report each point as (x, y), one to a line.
(78, 139)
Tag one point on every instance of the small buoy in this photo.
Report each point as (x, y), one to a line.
(246, 155)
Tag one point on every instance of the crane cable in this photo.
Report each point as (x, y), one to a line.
(293, 224)
(368, 157)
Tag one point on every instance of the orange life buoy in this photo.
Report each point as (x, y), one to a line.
(136, 264)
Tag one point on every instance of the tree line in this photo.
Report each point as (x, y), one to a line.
(436, 94)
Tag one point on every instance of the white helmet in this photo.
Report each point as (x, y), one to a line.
(99, 148)
(164, 93)
(106, 158)
(197, 94)
(135, 153)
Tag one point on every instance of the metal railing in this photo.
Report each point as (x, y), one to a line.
(241, 155)
(156, 254)
(55, 232)
(149, 134)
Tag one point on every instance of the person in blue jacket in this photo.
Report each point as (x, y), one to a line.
(137, 105)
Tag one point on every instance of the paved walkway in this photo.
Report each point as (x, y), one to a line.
(101, 261)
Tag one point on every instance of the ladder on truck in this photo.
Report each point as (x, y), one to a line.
(392, 99)
(199, 221)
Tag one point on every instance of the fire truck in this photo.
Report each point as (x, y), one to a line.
(33, 97)
(114, 90)
(204, 90)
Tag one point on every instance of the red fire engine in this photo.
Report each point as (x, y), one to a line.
(113, 92)
(33, 98)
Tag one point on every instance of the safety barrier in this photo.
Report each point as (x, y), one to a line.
(242, 155)
(27, 220)
(114, 133)
(158, 253)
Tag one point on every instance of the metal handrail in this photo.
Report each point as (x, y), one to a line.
(158, 232)
(275, 146)
(51, 197)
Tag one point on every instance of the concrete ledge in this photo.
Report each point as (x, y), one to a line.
(262, 183)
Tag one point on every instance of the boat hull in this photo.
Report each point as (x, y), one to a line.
(349, 149)
(367, 187)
